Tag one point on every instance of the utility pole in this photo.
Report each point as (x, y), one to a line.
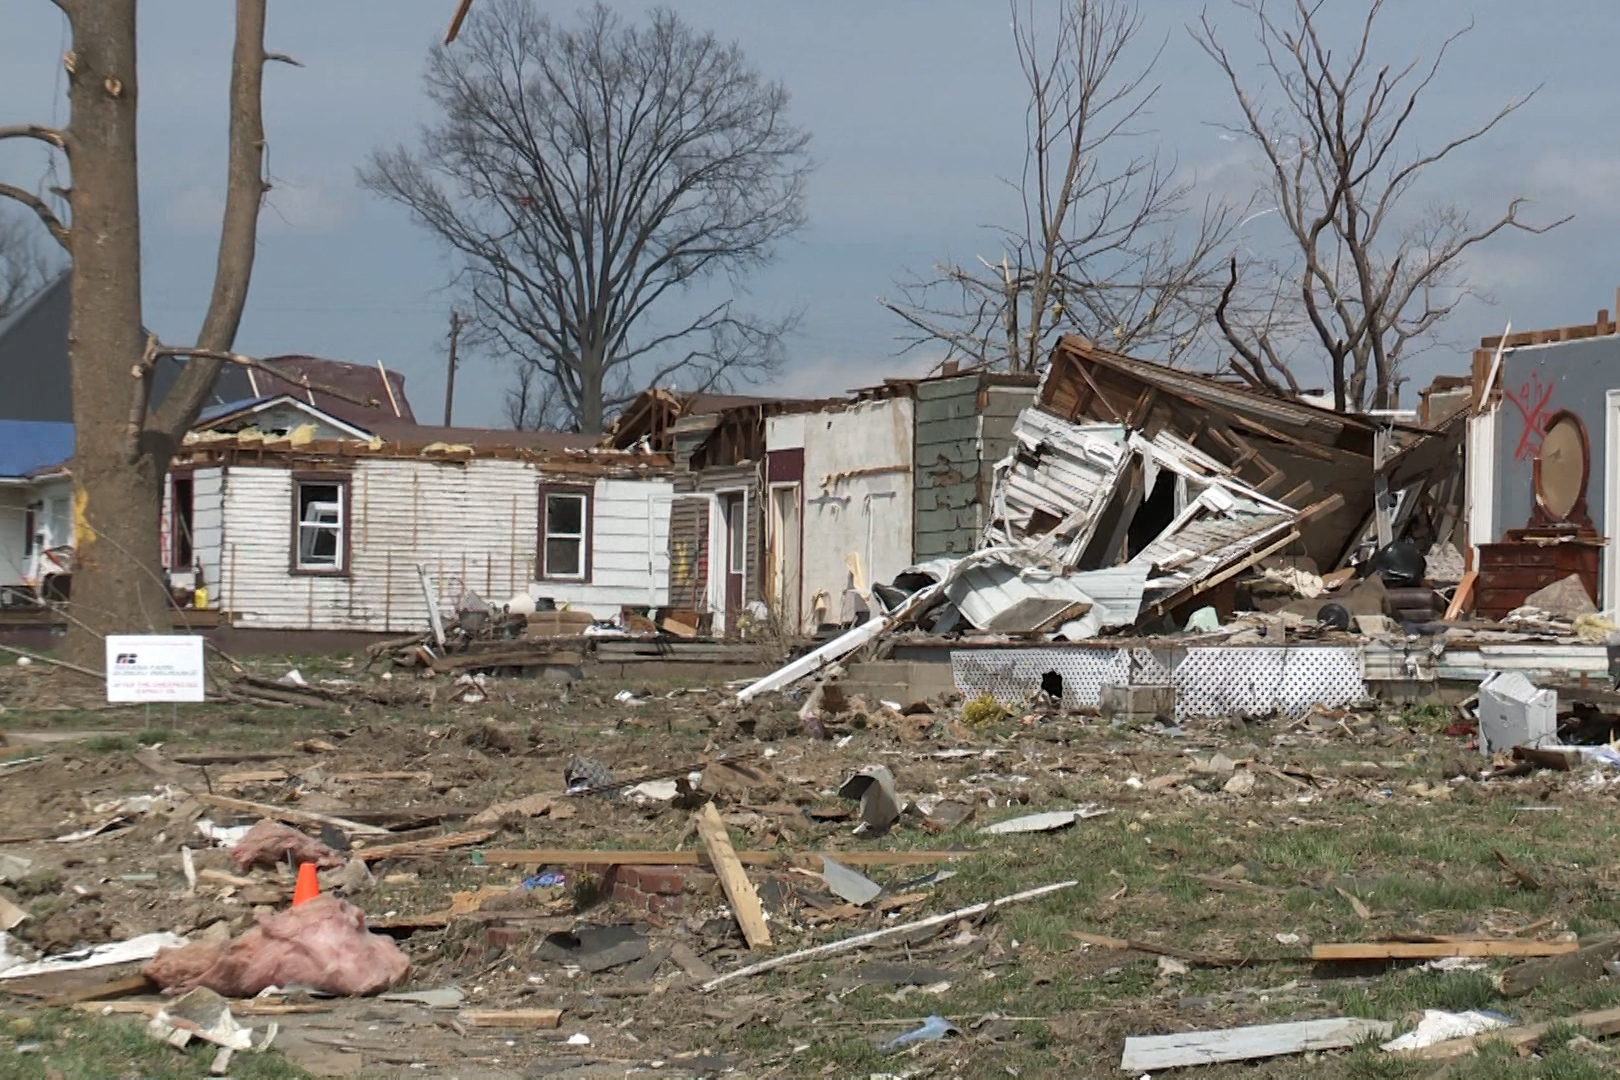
(450, 375)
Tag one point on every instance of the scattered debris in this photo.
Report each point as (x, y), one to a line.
(1422, 950)
(933, 1029)
(322, 944)
(1047, 822)
(270, 843)
(874, 787)
(1153, 1052)
(1439, 1026)
(143, 947)
(733, 879)
(846, 884)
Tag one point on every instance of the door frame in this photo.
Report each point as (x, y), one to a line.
(725, 499)
(778, 569)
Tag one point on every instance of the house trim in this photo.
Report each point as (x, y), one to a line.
(345, 482)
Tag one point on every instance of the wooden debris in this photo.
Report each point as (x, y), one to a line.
(1356, 905)
(808, 859)
(230, 757)
(112, 988)
(1601, 1023)
(359, 777)
(285, 813)
(1520, 874)
(1105, 942)
(423, 847)
(1570, 969)
(528, 806)
(861, 941)
(1155, 1052)
(10, 914)
(690, 962)
(507, 1018)
(221, 877)
(733, 879)
(1429, 950)
(251, 776)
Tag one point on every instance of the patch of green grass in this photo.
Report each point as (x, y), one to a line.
(76, 1046)
(153, 736)
(109, 744)
(1428, 715)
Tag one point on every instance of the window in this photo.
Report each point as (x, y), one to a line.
(180, 547)
(320, 526)
(565, 534)
(30, 529)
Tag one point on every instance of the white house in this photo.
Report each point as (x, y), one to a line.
(36, 507)
(297, 520)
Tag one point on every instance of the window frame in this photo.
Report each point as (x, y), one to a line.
(586, 537)
(345, 525)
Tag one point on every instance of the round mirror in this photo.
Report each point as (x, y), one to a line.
(1563, 466)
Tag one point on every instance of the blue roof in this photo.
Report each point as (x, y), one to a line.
(26, 446)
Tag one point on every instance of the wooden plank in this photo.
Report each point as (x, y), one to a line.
(509, 1018)
(588, 857)
(112, 988)
(1426, 950)
(1601, 1023)
(1154, 1052)
(733, 879)
(1459, 599)
(423, 847)
(286, 813)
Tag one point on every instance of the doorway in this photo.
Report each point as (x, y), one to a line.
(785, 554)
(734, 508)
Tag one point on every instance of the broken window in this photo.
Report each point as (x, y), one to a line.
(565, 535)
(737, 522)
(180, 504)
(321, 521)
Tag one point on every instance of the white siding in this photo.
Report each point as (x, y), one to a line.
(786, 432)
(207, 520)
(13, 539)
(858, 500)
(473, 525)
(629, 549)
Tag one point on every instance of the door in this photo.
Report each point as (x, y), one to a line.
(736, 554)
(785, 558)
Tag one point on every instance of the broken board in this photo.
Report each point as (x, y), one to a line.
(733, 878)
(1430, 950)
(1152, 1052)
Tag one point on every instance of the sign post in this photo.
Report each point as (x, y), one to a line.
(155, 668)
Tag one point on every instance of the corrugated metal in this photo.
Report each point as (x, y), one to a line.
(1066, 471)
(474, 525)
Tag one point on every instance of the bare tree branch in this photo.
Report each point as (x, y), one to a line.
(52, 223)
(24, 268)
(1373, 279)
(49, 136)
(1103, 249)
(588, 177)
(238, 238)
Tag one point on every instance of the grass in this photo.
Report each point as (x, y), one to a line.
(75, 1046)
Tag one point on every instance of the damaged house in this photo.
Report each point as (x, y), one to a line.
(366, 513)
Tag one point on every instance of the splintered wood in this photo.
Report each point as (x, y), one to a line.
(733, 878)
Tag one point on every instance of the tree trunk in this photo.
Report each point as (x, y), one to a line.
(116, 501)
(591, 409)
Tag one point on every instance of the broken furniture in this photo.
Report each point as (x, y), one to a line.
(1559, 539)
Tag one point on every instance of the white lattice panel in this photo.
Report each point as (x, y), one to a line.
(1011, 676)
(1254, 682)
(1149, 668)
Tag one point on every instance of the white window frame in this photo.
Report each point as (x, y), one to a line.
(338, 525)
(582, 536)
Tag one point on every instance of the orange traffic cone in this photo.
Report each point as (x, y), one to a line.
(308, 888)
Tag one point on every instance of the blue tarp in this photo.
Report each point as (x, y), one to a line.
(27, 446)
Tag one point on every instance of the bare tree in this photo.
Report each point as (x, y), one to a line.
(24, 265)
(122, 448)
(1103, 249)
(1373, 279)
(586, 177)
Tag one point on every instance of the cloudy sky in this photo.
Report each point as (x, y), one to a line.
(916, 111)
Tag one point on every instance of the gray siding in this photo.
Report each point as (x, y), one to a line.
(963, 429)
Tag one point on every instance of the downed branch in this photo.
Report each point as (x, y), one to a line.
(1123, 944)
(810, 859)
(284, 813)
(861, 941)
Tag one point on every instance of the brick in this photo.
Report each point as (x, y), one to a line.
(663, 880)
(501, 937)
